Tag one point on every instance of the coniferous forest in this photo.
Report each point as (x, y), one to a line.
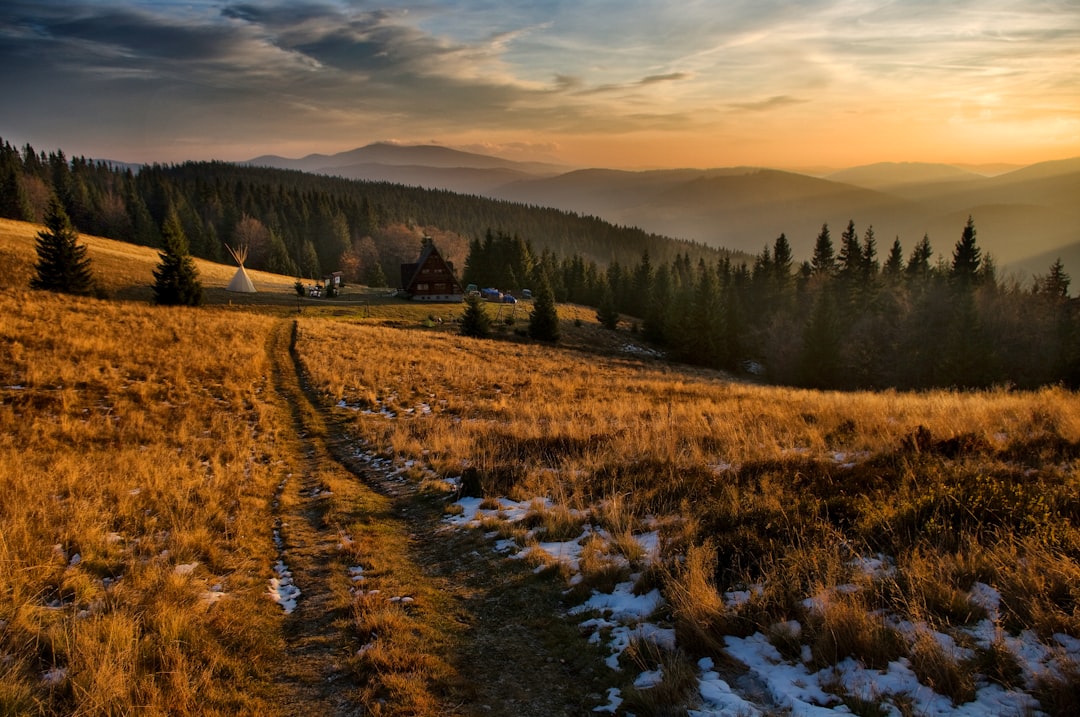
(853, 316)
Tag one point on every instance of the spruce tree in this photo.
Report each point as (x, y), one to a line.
(544, 320)
(176, 280)
(824, 259)
(894, 265)
(919, 262)
(62, 262)
(820, 357)
(1055, 284)
(966, 257)
(475, 322)
(606, 313)
(782, 262)
(850, 259)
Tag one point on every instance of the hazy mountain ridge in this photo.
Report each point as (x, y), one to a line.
(1022, 216)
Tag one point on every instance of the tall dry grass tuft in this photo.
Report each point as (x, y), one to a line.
(676, 686)
(701, 618)
(138, 452)
(941, 671)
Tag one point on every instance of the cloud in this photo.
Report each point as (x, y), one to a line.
(336, 73)
(668, 77)
(771, 103)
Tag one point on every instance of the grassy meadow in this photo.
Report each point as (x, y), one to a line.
(140, 452)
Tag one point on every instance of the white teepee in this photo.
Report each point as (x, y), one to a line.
(241, 282)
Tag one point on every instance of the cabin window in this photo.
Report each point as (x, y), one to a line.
(421, 287)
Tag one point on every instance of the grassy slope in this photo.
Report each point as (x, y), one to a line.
(747, 480)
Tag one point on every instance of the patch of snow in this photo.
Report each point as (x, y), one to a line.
(717, 697)
(622, 604)
(649, 679)
(614, 695)
(282, 589)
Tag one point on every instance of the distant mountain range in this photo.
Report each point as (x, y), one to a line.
(1024, 217)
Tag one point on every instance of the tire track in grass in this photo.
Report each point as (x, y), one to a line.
(398, 615)
(369, 631)
(313, 678)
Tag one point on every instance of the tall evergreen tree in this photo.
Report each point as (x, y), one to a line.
(176, 280)
(850, 259)
(919, 262)
(13, 201)
(475, 322)
(544, 319)
(641, 286)
(823, 261)
(966, 257)
(782, 262)
(655, 327)
(62, 262)
(820, 357)
(894, 265)
(1056, 282)
(606, 313)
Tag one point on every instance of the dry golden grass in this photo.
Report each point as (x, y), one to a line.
(126, 270)
(137, 456)
(141, 439)
(754, 486)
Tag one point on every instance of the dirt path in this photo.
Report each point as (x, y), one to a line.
(312, 677)
(440, 624)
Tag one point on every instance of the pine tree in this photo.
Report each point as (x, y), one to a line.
(823, 260)
(62, 262)
(919, 262)
(176, 280)
(894, 265)
(13, 201)
(851, 257)
(544, 320)
(642, 281)
(475, 322)
(375, 276)
(606, 313)
(782, 262)
(820, 357)
(1055, 284)
(966, 257)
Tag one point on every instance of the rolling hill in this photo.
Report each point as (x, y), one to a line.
(1022, 216)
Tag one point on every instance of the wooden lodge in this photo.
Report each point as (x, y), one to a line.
(431, 278)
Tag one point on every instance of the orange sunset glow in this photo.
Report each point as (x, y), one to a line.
(827, 83)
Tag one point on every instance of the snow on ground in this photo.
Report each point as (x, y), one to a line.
(793, 686)
(283, 590)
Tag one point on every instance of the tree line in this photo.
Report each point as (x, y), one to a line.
(846, 318)
(295, 223)
(843, 319)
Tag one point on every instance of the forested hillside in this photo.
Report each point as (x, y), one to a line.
(850, 318)
(301, 224)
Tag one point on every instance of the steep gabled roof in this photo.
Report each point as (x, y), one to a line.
(410, 273)
(425, 254)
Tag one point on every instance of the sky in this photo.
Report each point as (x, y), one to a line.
(615, 83)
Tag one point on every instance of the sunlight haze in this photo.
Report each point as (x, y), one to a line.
(643, 84)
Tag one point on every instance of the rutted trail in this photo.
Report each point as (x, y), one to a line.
(313, 677)
(397, 613)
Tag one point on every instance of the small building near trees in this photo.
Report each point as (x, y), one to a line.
(430, 278)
